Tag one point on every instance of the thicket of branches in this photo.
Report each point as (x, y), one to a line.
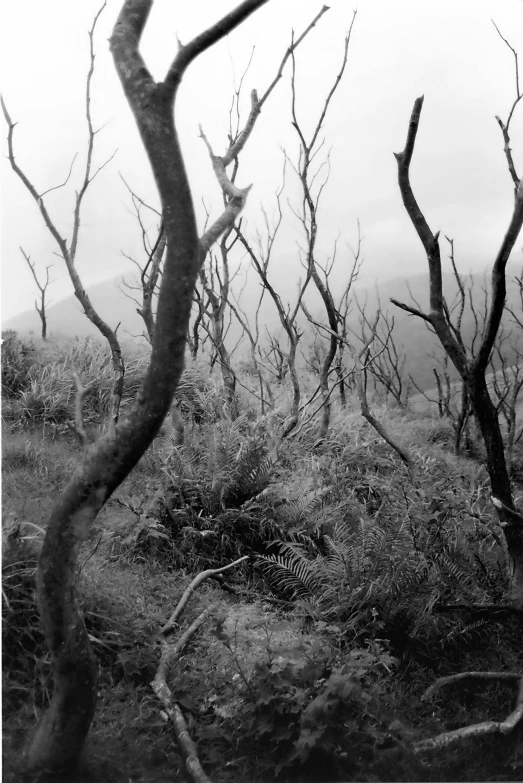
(388, 559)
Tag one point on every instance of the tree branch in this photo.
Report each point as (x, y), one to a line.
(188, 53)
(476, 729)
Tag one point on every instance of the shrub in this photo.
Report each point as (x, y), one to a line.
(316, 714)
(24, 656)
(17, 360)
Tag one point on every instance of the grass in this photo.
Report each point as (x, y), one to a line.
(261, 656)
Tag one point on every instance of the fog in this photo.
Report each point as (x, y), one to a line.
(447, 50)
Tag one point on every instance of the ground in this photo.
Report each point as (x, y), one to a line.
(326, 686)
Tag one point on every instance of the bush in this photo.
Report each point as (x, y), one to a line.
(18, 358)
(24, 657)
(316, 715)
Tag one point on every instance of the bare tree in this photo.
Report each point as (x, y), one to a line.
(362, 357)
(340, 308)
(308, 217)
(61, 734)
(452, 400)
(150, 270)
(212, 303)
(68, 250)
(388, 367)
(472, 370)
(215, 282)
(343, 310)
(42, 287)
(287, 314)
(251, 328)
(507, 382)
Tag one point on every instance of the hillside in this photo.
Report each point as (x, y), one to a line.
(113, 302)
(356, 586)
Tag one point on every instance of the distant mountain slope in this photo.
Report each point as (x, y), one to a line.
(66, 318)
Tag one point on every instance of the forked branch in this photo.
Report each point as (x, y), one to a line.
(169, 655)
(472, 370)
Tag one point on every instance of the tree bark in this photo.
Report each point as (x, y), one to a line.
(60, 737)
(472, 371)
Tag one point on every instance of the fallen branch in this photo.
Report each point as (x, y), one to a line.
(475, 729)
(170, 653)
(192, 587)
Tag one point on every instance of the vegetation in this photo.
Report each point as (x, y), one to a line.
(353, 580)
(358, 591)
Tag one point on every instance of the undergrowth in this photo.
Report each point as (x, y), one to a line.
(355, 596)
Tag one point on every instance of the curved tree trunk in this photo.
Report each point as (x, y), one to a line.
(61, 735)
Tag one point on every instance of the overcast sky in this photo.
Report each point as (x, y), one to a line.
(447, 50)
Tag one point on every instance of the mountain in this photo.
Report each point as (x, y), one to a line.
(66, 318)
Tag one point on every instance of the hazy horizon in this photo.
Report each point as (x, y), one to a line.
(447, 50)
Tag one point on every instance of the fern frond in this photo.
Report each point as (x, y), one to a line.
(290, 571)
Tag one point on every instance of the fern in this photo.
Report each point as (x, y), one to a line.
(218, 467)
(291, 572)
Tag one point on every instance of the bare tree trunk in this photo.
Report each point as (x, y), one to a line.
(331, 353)
(149, 280)
(473, 371)
(461, 425)
(62, 732)
(218, 302)
(511, 521)
(308, 219)
(341, 379)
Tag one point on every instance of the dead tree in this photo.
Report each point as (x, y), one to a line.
(343, 310)
(452, 400)
(308, 217)
(215, 281)
(211, 308)
(42, 287)
(507, 382)
(149, 271)
(194, 338)
(362, 357)
(251, 328)
(61, 734)
(276, 359)
(238, 137)
(511, 372)
(472, 370)
(388, 367)
(287, 314)
(68, 250)
(341, 306)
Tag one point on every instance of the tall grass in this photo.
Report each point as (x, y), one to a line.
(38, 384)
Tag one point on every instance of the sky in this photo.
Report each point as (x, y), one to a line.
(447, 50)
